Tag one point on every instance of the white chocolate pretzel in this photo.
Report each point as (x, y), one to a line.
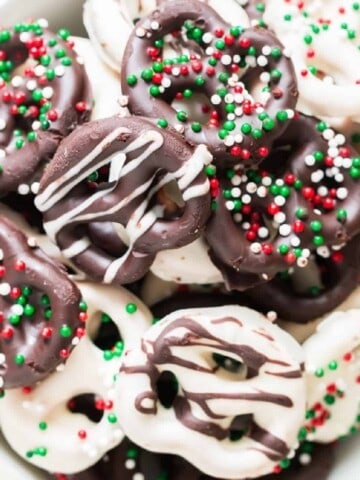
(38, 423)
(264, 384)
(105, 82)
(332, 358)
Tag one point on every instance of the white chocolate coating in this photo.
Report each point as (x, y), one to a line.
(105, 82)
(334, 351)
(334, 94)
(110, 22)
(208, 400)
(86, 372)
(13, 467)
(189, 264)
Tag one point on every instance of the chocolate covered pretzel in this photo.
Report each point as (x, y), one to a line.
(40, 310)
(224, 64)
(44, 95)
(111, 176)
(304, 197)
(262, 398)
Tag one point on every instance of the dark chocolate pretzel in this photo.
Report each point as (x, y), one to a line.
(224, 64)
(44, 94)
(339, 273)
(141, 160)
(305, 197)
(39, 310)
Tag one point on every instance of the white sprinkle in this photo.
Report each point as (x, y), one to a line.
(339, 178)
(140, 32)
(323, 251)
(306, 253)
(24, 37)
(245, 226)
(166, 82)
(2, 124)
(236, 180)
(309, 160)
(246, 199)
(340, 138)
(130, 464)
(229, 98)
(279, 200)
(138, 476)
(239, 98)
(262, 61)
(48, 92)
(239, 138)
(2, 358)
(263, 232)
(305, 459)
(32, 242)
(229, 205)
(207, 37)
(17, 309)
(23, 189)
(215, 99)
(226, 59)
(271, 316)
(342, 193)
(5, 288)
(31, 85)
(236, 192)
(59, 71)
(229, 140)
(333, 152)
(279, 217)
(209, 51)
(154, 25)
(328, 133)
(290, 113)
(39, 70)
(295, 241)
(43, 22)
(317, 176)
(322, 191)
(237, 217)
(347, 162)
(284, 230)
(261, 191)
(251, 187)
(231, 116)
(266, 181)
(17, 81)
(265, 77)
(255, 247)
(302, 262)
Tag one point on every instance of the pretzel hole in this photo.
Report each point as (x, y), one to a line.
(104, 333)
(87, 405)
(170, 198)
(240, 426)
(196, 106)
(167, 388)
(229, 367)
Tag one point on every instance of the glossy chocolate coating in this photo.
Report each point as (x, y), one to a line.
(31, 332)
(171, 16)
(340, 276)
(232, 253)
(67, 86)
(74, 208)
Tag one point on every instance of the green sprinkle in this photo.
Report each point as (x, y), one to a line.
(181, 115)
(131, 308)
(14, 319)
(147, 75)
(246, 128)
(196, 127)
(154, 91)
(341, 215)
(112, 418)
(65, 331)
(42, 425)
(29, 310)
(19, 359)
(131, 80)
(316, 226)
(282, 116)
(268, 124)
(333, 365)
(319, 372)
(63, 33)
(187, 93)
(318, 240)
(162, 123)
(329, 399)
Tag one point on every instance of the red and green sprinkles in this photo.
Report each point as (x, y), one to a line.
(30, 95)
(230, 106)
